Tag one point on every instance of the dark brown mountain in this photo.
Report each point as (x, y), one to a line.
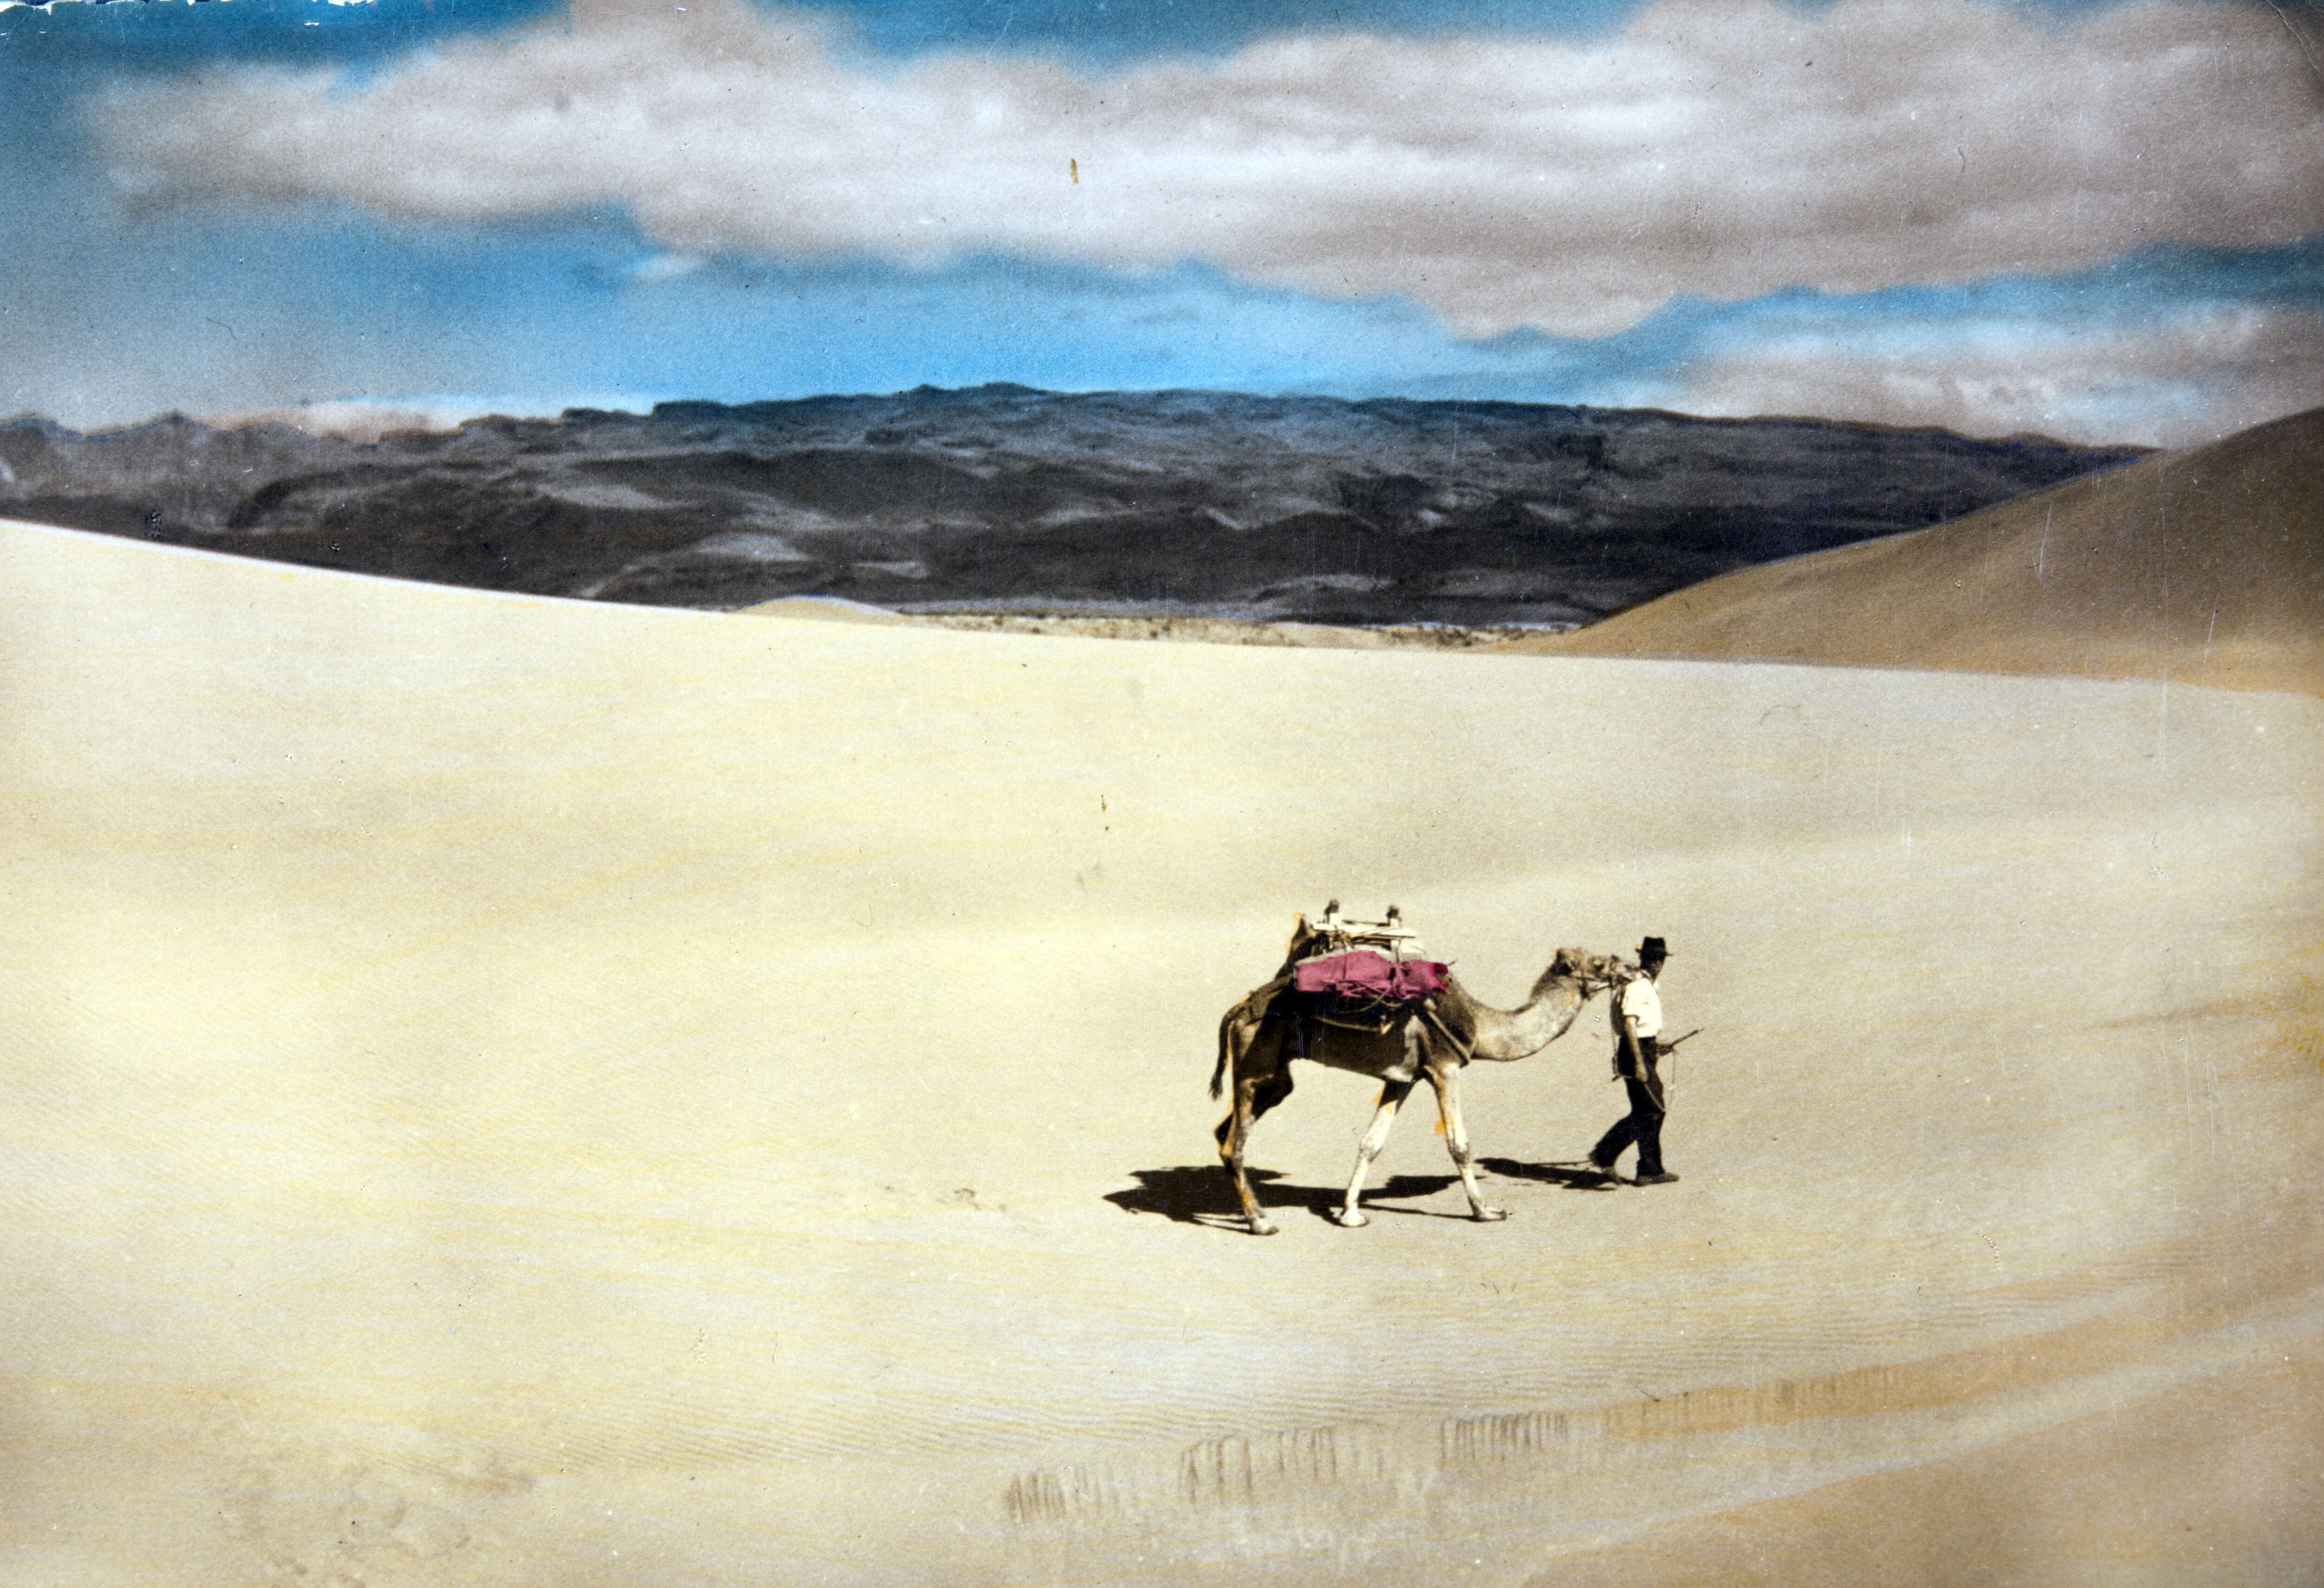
(1008, 499)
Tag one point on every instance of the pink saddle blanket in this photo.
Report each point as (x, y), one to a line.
(1363, 976)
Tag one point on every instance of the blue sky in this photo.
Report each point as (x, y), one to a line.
(2097, 222)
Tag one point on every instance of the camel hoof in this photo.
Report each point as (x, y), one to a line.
(1491, 1215)
(1348, 1218)
(1261, 1227)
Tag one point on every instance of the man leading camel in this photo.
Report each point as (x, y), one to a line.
(1638, 1017)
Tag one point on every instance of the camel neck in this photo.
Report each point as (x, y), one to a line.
(1505, 1034)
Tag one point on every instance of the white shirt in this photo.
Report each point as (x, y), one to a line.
(1637, 1001)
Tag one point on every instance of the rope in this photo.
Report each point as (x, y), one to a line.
(1463, 1048)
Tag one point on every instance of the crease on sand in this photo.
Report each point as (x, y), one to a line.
(1704, 1451)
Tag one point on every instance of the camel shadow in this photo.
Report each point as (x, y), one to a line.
(1202, 1193)
(1574, 1175)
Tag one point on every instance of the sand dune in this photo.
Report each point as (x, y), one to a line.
(2204, 567)
(497, 1091)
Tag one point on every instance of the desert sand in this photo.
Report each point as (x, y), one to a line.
(2204, 567)
(501, 1091)
(1176, 628)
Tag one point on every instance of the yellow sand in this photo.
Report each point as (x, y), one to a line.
(2204, 567)
(511, 1092)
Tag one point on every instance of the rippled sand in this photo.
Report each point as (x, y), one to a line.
(509, 1092)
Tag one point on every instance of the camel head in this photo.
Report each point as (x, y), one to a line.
(1592, 972)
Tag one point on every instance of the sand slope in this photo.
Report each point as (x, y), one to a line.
(2206, 566)
(506, 1092)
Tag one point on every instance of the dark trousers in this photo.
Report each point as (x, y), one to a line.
(1644, 1125)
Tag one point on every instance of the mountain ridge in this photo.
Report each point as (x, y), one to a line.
(1005, 498)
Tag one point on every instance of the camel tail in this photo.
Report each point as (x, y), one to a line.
(1254, 1007)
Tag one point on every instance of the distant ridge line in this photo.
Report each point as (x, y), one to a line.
(1369, 512)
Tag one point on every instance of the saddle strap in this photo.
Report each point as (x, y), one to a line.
(1381, 1027)
(1464, 1049)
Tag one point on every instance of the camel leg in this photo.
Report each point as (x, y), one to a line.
(1391, 1098)
(1257, 1087)
(1456, 1141)
(1247, 1108)
(1270, 1090)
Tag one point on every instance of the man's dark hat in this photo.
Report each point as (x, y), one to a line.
(1654, 948)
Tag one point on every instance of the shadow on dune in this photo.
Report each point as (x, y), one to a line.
(1576, 1175)
(1202, 1193)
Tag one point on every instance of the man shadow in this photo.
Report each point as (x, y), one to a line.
(1574, 1175)
(1204, 1193)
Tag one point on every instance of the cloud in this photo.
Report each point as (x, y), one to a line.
(665, 267)
(366, 420)
(1722, 149)
(2202, 373)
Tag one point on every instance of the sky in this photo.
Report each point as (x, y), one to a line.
(2098, 221)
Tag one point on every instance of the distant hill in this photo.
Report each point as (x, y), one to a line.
(2206, 566)
(1001, 498)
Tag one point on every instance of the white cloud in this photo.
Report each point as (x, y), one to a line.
(1717, 148)
(366, 420)
(2199, 375)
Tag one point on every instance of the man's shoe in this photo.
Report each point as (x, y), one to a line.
(1664, 1178)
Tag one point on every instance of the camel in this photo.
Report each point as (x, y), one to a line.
(1270, 1026)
